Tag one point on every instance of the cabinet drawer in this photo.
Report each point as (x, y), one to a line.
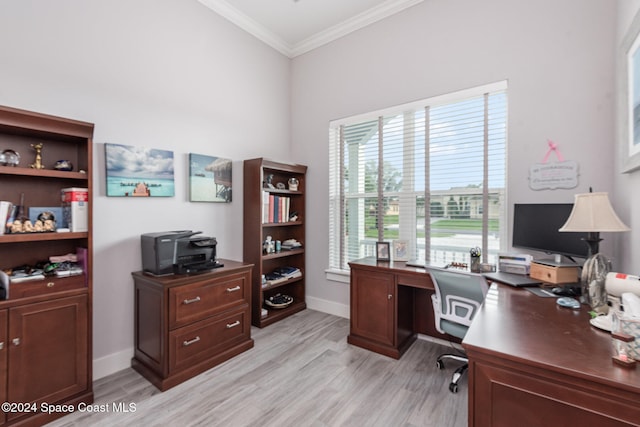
(190, 303)
(196, 343)
(46, 286)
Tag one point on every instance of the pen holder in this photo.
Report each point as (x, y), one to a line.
(475, 264)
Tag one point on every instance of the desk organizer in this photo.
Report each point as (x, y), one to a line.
(553, 274)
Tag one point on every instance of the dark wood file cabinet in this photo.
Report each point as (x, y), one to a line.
(187, 324)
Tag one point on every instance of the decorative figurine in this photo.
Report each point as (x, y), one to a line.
(293, 184)
(63, 165)
(38, 163)
(268, 181)
(49, 225)
(16, 226)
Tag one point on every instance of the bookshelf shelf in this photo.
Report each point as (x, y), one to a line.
(282, 224)
(281, 284)
(281, 254)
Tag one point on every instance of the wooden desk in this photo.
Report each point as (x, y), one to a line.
(390, 305)
(534, 363)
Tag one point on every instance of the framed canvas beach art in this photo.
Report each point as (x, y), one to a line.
(209, 178)
(138, 171)
(629, 84)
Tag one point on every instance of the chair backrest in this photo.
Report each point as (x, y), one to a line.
(458, 297)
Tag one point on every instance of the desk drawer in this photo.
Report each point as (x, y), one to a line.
(194, 302)
(196, 343)
(421, 280)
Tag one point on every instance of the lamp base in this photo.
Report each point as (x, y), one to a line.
(594, 274)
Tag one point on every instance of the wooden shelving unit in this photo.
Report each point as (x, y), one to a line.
(256, 231)
(45, 325)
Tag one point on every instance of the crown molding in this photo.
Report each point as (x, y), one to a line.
(384, 10)
(223, 8)
(355, 23)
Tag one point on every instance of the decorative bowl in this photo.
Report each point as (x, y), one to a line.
(9, 158)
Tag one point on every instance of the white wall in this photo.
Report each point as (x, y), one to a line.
(167, 74)
(626, 185)
(556, 55)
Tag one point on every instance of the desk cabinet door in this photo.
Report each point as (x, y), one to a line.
(372, 306)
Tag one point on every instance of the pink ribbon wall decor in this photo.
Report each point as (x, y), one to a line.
(553, 147)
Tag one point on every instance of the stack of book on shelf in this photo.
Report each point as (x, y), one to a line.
(281, 274)
(275, 209)
(291, 244)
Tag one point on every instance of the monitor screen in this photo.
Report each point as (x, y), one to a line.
(535, 226)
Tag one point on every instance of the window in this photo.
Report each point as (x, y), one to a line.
(430, 174)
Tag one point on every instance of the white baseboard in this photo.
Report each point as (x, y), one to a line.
(112, 363)
(329, 307)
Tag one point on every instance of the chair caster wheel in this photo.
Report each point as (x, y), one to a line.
(439, 364)
(453, 388)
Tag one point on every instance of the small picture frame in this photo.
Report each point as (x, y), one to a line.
(382, 251)
(400, 250)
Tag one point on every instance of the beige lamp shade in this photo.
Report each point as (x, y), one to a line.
(592, 212)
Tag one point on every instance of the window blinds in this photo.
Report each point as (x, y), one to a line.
(428, 176)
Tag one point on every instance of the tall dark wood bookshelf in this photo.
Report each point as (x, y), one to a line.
(257, 226)
(45, 323)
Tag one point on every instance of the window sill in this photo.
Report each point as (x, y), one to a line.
(338, 275)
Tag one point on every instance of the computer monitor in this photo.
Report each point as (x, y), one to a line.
(535, 227)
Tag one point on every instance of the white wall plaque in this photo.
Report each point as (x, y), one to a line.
(553, 175)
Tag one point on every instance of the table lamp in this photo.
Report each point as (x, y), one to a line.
(592, 213)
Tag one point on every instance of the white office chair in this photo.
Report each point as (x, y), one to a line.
(458, 297)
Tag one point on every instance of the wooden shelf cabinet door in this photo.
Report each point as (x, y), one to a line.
(3, 362)
(47, 351)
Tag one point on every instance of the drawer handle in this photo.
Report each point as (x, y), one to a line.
(1, 345)
(237, 288)
(50, 285)
(191, 301)
(189, 342)
(233, 325)
(16, 341)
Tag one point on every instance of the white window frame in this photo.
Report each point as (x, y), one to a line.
(336, 197)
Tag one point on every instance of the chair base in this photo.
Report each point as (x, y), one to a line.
(457, 374)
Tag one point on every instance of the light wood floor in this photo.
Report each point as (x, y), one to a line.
(301, 372)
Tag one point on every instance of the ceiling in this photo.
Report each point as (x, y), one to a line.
(294, 27)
